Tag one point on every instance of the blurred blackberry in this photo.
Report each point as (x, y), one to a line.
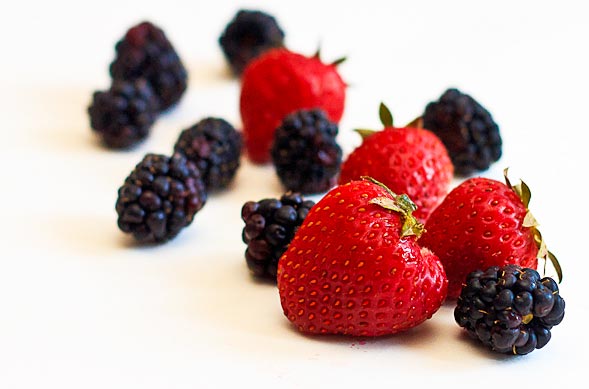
(270, 225)
(123, 114)
(215, 148)
(509, 309)
(305, 153)
(467, 130)
(160, 197)
(248, 35)
(146, 52)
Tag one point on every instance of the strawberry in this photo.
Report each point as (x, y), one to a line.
(407, 160)
(278, 83)
(354, 267)
(483, 223)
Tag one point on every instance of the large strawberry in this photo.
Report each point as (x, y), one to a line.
(354, 267)
(483, 223)
(278, 83)
(407, 160)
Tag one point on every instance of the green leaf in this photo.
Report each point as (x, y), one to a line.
(530, 220)
(526, 194)
(507, 182)
(339, 61)
(364, 133)
(386, 117)
(556, 265)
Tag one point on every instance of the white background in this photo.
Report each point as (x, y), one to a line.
(82, 307)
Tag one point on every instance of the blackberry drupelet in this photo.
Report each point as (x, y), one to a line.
(123, 115)
(214, 146)
(248, 35)
(159, 198)
(270, 225)
(305, 153)
(467, 130)
(509, 309)
(146, 52)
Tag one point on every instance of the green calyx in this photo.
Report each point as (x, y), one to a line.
(386, 118)
(401, 204)
(334, 63)
(523, 192)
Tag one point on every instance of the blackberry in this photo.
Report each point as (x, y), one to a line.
(248, 35)
(509, 309)
(467, 130)
(146, 52)
(270, 225)
(305, 153)
(215, 148)
(159, 198)
(123, 114)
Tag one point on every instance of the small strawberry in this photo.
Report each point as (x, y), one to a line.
(407, 160)
(354, 267)
(278, 83)
(483, 223)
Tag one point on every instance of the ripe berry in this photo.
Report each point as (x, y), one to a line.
(123, 115)
(159, 198)
(214, 146)
(146, 52)
(355, 266)
(305, 153)
(510, 309)
(249, 34)
(270, 225)
(467, 129)
(407, 160)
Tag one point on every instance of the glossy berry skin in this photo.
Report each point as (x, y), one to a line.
(509, 309)
(479, 225)
(348, 270)
(407, 160)
(278, 83)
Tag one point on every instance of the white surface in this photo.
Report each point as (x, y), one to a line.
(81, 307)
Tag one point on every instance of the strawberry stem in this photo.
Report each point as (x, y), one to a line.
(401, 204)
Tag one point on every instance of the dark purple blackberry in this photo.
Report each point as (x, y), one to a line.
(305, 153)
(160, 197)
(123, 114)
(215, 148)
(467, 130)
(270, 225)
(146, 52)
(248, 35)
(509, 309)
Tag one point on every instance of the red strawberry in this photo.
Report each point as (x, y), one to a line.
(407, 160)
(354, 266)
(278, 83)
(484, 223)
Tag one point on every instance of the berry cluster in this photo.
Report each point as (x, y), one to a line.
(147, 77)
(509, 309)
(270, 225)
